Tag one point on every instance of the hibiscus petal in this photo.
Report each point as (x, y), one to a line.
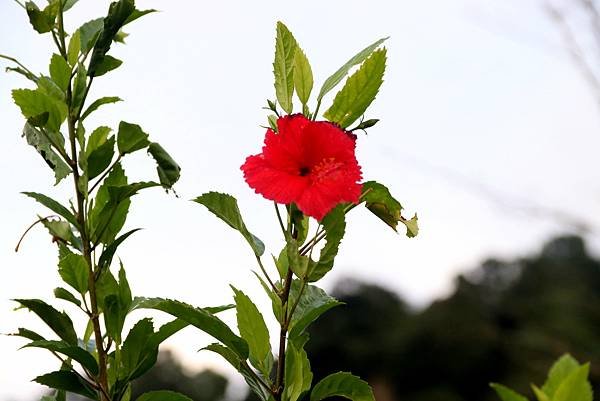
(271, 182)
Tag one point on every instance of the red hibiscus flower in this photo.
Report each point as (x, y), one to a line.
(310, 163)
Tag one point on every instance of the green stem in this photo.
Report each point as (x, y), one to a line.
(17, 62)
(72, 120)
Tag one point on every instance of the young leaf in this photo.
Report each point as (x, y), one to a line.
(108, 252)
(313, 303)
(231, 357)
(107, 218)
(68, 381)
(54, 206)
(31, 335)
(135, 348)
(201, 319)
(303, 76)
(131, 138)
(334, 224)
(168, 170)
(253, 329)
(116, 307)
(74, 48)
(41, 143)
(559, 371)
(506, 394)
(359, 91)
(575, 387)
(89, 33)
(59, 322)
(163, 395)
(99, 102)
(118, 13)
(64, 294)
(225, 207)
(298, 376)
(42, 21)
(60, 71)
(34, 103)
(283, 66)
(73, 269)
(539, 394)
(382, 204)
(80, 355)
(342, 384)
(107, 64)
(99, 159)
(337, 76)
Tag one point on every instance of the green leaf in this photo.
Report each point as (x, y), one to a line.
(116, 307)
(506, 394)
(337, 76)
(163, 395)
(25, 333)
(100, 102)
(68, 381)
(34, 103)
(342, 384)
(313, 303)
(89, 33)
(382, 204)
(283, 66)
(63, 293)
(253, 329)
(168, 170)
(60, 71)
(80, 355)
(138, 14)
(73, 269)
(54, 206)
(131, 138)
(41, 143)
(560, 370)
(575, 387)
(275, 300)
(118, 13)
(60, 229)
(225, 207)
(68, 4)
(107, 254)
(231, 357)
(334, 224)
(59, 322)
(201, 319)
(539, 394)
(135, 348)
(303, 76)
(42, 21)
(80, 86)
(298, 376)
(107, 64)
(359, 91)
(298, 263)
(107, 217)
(99, 159)
(74, 48)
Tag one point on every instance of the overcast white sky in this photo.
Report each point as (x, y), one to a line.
(479, 98)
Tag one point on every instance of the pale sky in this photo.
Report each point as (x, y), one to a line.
(482, 114)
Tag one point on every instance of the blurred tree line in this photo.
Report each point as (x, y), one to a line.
(506, 322)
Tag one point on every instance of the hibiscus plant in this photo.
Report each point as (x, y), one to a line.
(97, 360)
(308, 169)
